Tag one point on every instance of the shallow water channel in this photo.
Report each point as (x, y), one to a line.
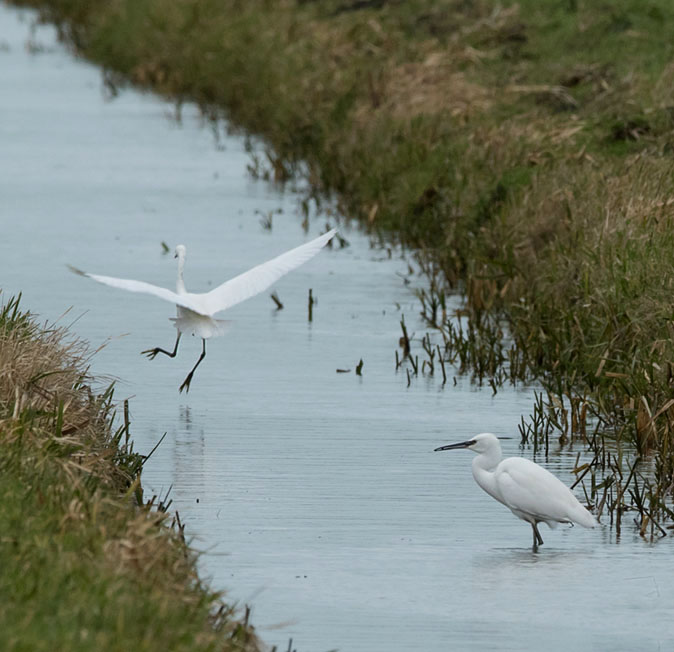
(314, 495)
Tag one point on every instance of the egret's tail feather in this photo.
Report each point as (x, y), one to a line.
(204, 327)
(585, 518)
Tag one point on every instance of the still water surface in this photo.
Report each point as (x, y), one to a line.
(314, 495)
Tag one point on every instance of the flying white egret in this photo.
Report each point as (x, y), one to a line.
(531, 492)
(196, 310)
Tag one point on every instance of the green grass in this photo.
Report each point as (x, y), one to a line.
(84, 565)
(526, 150)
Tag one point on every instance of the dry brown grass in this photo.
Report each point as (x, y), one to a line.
(593, 203)
(432, 86)
(44, 371)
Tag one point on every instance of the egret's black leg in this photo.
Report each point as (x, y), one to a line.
(538, 539)
(151, 353)
(188, 380)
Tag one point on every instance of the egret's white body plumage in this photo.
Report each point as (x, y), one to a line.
(191, 322)
(195, 311)
(531, 492)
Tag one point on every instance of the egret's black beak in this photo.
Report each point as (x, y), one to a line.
(175, 255)
(451, 447)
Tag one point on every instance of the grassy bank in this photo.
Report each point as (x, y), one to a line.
(525, 149)
(83, 565)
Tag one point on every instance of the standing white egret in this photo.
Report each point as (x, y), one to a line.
(196, 310)
(531, 492)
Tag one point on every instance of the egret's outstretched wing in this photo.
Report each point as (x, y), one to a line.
(184, 300)
(259, 278)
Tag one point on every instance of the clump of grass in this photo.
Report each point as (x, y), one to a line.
(86, 564)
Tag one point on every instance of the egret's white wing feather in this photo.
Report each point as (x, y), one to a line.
(258, 278)
(184, 300)
(528, 487)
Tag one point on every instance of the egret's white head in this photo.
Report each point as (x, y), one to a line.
(180, 252)
(480, 443)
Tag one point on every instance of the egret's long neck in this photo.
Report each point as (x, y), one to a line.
(484, 466)
(180, 284)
